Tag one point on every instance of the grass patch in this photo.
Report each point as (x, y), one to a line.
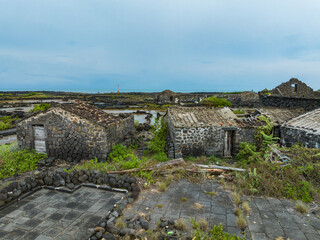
(236, 198)
(180, 224)
(301, 207)
(246, 208)
(197, 206)
(184, 199)
(14, 162)
(241, 222)
(120, 223)
(162, 187)
(238, 212)
(298, 180)
(212, 194)
(203, 224)
(213, 234)
(6, 122)
(40, 107)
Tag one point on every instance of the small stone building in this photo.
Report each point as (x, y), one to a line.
(293, 88)
(303, 129)
(166, 96)
(196, 131)
(278, 116)
(73, 132)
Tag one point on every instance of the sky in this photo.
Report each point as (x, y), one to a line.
(153, 45)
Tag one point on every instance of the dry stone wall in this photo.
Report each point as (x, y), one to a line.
(291, 136)
(205, 141)
(287, 102)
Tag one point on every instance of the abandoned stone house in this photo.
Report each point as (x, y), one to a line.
(293, 88)
(278, 116)
(196, 131)
(166, 96)
(303, 129)
(73, 132)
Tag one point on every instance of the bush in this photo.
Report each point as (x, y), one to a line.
(40, 107)
(248, 154)
(15, 162)
(159, 133)
(123, 157)
(215, 233)
(4, 126)
(6, 122)
(216, 102)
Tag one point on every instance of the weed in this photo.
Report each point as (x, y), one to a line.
(236, 198)
(241, 222)
(120, 223)
(40, 107)
(203, 224)
(246, 208)
(180, 224)
(216, 102)
(159, 133)
(215, 233)
(197, 206)
(162, 187)
(238, 212)
(301, 207)
(160, 206)
(16, 162)
(184, 199)
(213, 193)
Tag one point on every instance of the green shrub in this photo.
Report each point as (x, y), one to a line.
(15, 162)
(123, 157)
(160, 157)
(248, 154)
(215, 233)
(4, 126)
(40, 107)
(216, 102)
(6, 122)
(159, 133)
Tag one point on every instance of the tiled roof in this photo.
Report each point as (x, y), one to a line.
(201, 117)
(93, 114)
(280, 115)
(309, 121)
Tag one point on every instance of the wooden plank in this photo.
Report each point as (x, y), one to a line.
(40, 146)
(219, 167)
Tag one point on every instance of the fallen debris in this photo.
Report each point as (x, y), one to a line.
(277, 156)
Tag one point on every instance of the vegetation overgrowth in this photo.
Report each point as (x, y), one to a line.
(40, 107)
(6, 122)
(215, 233)
(216, 102)
(14, 162)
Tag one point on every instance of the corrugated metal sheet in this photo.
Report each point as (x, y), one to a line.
(281, 115)
(308, 121)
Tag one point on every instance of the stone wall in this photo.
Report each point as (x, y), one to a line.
(198, 141)
(287, 89)
(71, 137)
(290, 136)
(289, 102)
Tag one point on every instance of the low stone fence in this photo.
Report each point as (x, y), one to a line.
(68, 182)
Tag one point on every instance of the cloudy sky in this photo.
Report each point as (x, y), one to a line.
(152, 45)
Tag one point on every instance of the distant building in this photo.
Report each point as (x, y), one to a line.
(166, 96)
(293, 88)
(196, 131)
(303, 129)
(73, 132)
